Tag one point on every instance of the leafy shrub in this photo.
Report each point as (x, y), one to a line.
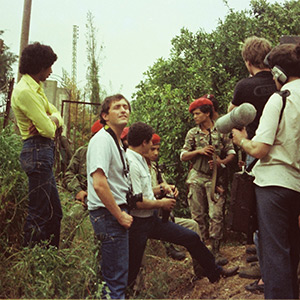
(50, 273)
(13, 191)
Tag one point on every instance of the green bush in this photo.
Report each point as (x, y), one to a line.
(13, 191)
(41, 273)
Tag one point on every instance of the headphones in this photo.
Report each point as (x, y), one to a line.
(278, 73)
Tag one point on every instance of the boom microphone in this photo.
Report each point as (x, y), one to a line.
(238, 118)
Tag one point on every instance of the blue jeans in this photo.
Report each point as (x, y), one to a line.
(153, 228)
(278, 209)
(44, 208)
(114, 249)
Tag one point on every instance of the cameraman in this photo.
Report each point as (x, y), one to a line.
(146, 224)
(277, 176)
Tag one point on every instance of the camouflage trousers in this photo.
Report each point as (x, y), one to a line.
(208, 213)
(189, 224)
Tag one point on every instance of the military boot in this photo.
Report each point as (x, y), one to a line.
(220, 260)
(174, 253)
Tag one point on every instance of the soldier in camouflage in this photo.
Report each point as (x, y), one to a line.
(75, 177)
(209, 152)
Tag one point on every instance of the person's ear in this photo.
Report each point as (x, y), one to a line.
(104, 116)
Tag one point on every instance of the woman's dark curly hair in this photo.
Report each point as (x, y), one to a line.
(36, 57)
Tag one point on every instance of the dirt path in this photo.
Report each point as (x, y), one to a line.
(166, 278)
(232, 287)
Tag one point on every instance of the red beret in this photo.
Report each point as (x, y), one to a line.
(199, 102)
(96, 126)
(155, 139)
(124, 133)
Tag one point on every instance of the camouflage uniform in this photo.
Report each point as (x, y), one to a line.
(207, 213)
(187, 223)
(75, 178)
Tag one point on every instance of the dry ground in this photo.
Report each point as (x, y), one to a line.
(165, 278)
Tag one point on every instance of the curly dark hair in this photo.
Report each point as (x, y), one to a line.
(36, 57)
(287, 57)
(138, 133)
(206, 109)
(107, 102)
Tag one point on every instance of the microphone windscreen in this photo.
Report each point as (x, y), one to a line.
(238, 118)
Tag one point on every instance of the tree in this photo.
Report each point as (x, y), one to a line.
(93, 86)
(201, 63)
(7, 59)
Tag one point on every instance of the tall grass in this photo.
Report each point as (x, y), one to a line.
(41, 272)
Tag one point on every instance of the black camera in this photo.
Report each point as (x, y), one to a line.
(132, 199)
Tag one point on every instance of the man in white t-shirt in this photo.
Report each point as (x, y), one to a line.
(108, 186)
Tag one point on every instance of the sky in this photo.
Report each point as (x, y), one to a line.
(133, 33)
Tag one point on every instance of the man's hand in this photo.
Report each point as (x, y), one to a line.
(168, 203)
(238, 135)
(170, 189)
(55, 120)
(32, 130)
(218, 162)
(174, 190)
(80, 196)
(125, 220)
(207, 150)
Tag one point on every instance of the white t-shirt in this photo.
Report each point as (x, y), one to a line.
(141, 181)
(281, 166)
(103, 154)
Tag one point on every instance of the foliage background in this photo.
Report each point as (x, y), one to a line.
(204, 63)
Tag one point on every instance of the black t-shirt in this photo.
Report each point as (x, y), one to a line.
(255, 90)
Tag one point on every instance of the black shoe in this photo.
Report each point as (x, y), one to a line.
(174, 253)
(229, 272)
(252, 258)
(255, 288)
(251, 249)
(221, 260)
(252, 272)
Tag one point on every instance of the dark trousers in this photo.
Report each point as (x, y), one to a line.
(114, 250)
(44, 208)
(153, 228)
(278, 209)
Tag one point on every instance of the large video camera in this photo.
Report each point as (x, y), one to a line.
(132, 199)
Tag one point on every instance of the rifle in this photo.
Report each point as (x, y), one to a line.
(215, 169)
(165, 213)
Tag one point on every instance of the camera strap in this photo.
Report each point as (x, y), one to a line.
(284, 94)
(113, 135)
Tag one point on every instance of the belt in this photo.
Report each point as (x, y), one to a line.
(39, 139)
(122, 206)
